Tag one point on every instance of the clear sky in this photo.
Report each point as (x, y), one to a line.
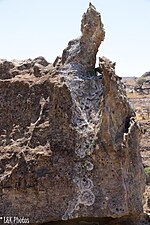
(30, 28)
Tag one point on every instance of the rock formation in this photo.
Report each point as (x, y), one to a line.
(84, 49)
(69, 142)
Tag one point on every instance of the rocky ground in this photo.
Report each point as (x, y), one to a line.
(140, 101)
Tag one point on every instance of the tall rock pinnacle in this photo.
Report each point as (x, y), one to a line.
(84, 49)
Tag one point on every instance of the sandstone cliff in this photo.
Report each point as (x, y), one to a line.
(69, 143)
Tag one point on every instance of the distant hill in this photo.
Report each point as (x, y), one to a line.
(128, 78)
(146, 75)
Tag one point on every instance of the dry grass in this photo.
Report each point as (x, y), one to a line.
(136, 95)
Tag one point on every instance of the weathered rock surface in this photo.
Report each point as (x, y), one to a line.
(84, 49)
(69, 144)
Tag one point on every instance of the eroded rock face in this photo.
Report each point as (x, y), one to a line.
(69, 141)
(84, 49)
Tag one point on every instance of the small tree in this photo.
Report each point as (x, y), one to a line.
(139, 83)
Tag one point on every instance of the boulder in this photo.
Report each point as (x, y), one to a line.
(69, 142)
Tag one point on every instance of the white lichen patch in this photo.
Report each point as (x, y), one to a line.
(87, 198)
(84, 183)
(89, 166)
(86, 92)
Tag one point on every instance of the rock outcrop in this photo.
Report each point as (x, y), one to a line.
(69, 142)
(84, 49)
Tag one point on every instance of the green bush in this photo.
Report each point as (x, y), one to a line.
(147, 172)
(140, 81)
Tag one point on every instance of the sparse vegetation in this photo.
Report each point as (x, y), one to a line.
(140, 81)
(140, 101)
(147, 172)
(139, 84)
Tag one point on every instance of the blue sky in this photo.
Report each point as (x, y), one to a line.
(30, 28)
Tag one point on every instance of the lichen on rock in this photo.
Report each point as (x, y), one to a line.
(69, 141)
